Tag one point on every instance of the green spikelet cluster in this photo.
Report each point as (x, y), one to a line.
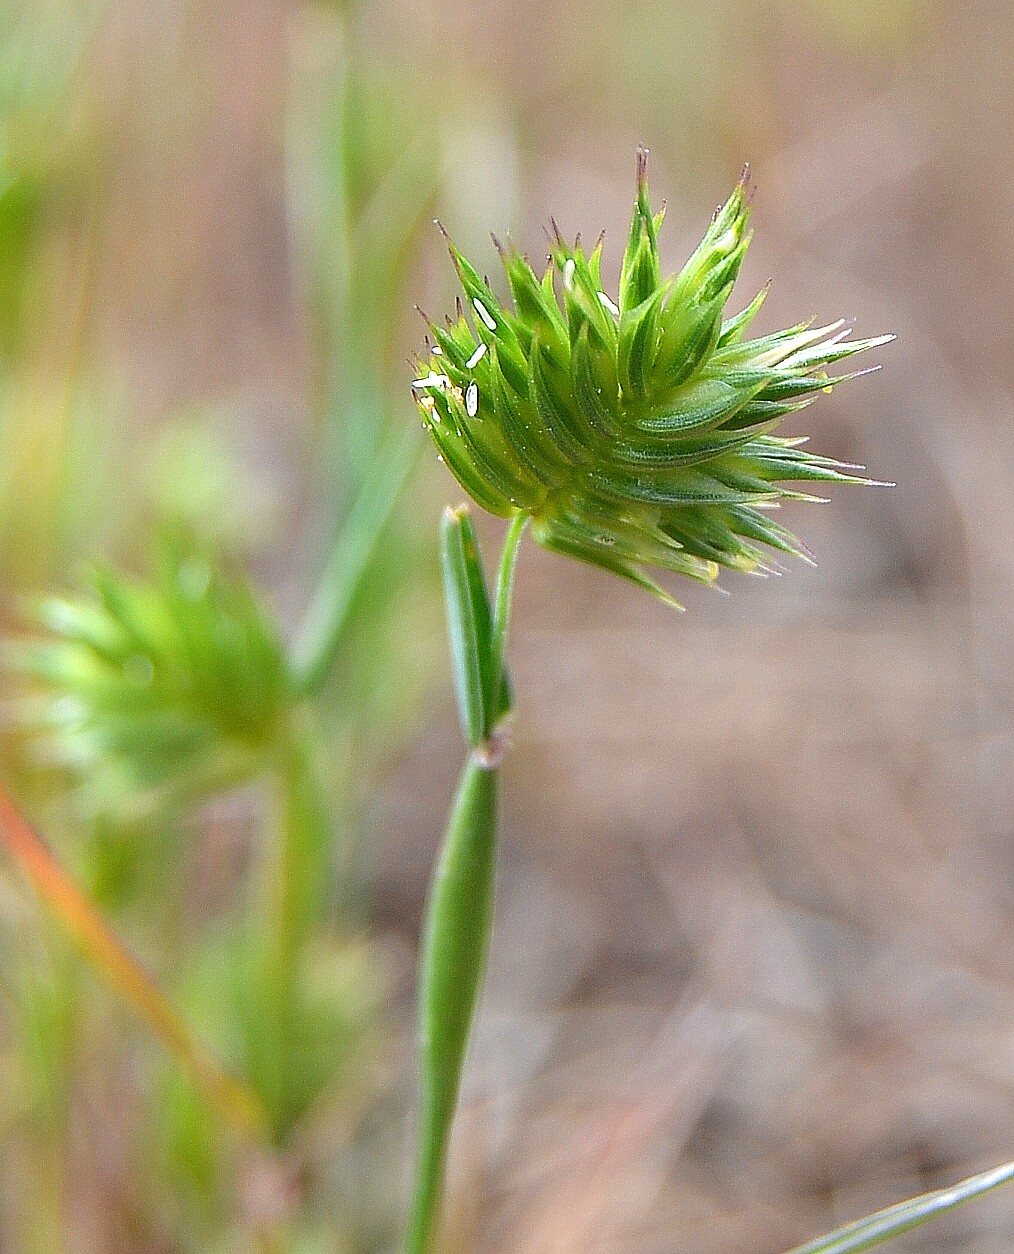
(636, 432)
(152, 692)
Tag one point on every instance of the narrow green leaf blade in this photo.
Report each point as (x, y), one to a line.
(469, 622)
(455, 944)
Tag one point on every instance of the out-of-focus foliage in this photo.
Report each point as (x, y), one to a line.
(200, 482)
(218, 760)
(158, 692)
(58, 406)
(363, 170)
(61, 452)
(876, 29)
(43, 139)
(362, 177)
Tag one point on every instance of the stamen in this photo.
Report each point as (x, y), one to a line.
(472, 399)
(484, 313)
(569, 266)
(613, 309)
(432, 380)
(476, 357)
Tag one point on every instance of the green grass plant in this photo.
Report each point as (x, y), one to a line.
(633, 431)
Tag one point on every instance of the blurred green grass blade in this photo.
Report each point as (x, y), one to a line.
(885, 1225)
(297, 888)
(456, 936)
(469, 623)
(349, 561)
(233, 1101)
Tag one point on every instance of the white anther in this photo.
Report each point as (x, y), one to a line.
(569, 267)
(437, 351)
(432, 380)
(484, 313)
(476, 357)
(613, 309)
(472, 399)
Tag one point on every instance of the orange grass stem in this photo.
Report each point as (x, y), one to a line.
(233, 1100)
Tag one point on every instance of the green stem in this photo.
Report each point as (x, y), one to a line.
(459, 910)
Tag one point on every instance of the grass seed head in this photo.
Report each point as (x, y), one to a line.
(637, 432)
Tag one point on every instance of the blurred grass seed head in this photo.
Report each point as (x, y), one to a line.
(636, 433)
(159, 692)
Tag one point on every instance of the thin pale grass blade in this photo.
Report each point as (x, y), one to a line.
(230, 1097)
(887, 1224)
(349, 562)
